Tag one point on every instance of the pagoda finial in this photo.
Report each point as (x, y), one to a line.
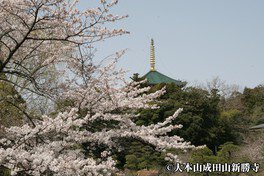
(152, 56)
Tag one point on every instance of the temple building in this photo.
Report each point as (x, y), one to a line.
(153, 76)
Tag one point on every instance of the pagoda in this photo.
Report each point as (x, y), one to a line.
(153, 76)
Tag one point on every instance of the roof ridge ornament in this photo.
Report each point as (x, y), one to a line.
(152, 56)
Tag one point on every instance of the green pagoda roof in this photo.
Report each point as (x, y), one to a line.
(155, 77)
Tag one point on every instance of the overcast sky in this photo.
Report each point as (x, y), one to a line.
(194, 40)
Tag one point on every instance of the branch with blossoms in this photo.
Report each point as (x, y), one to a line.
(63, 138)
(38, 34)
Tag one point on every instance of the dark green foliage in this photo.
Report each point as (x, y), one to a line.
(254, 97)
(253, 101)
(203, 156)
(11, 106)
(228, 153)
(141, 156)
(136, 77)
(137, 155)
(201, 120)
(4, 171)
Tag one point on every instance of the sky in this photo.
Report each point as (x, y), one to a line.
(195, 41)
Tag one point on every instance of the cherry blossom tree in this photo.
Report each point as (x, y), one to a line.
(44, 32)
(38, 36)
(35, 35)
(54, 144)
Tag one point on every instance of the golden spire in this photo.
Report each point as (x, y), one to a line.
(152, 56)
